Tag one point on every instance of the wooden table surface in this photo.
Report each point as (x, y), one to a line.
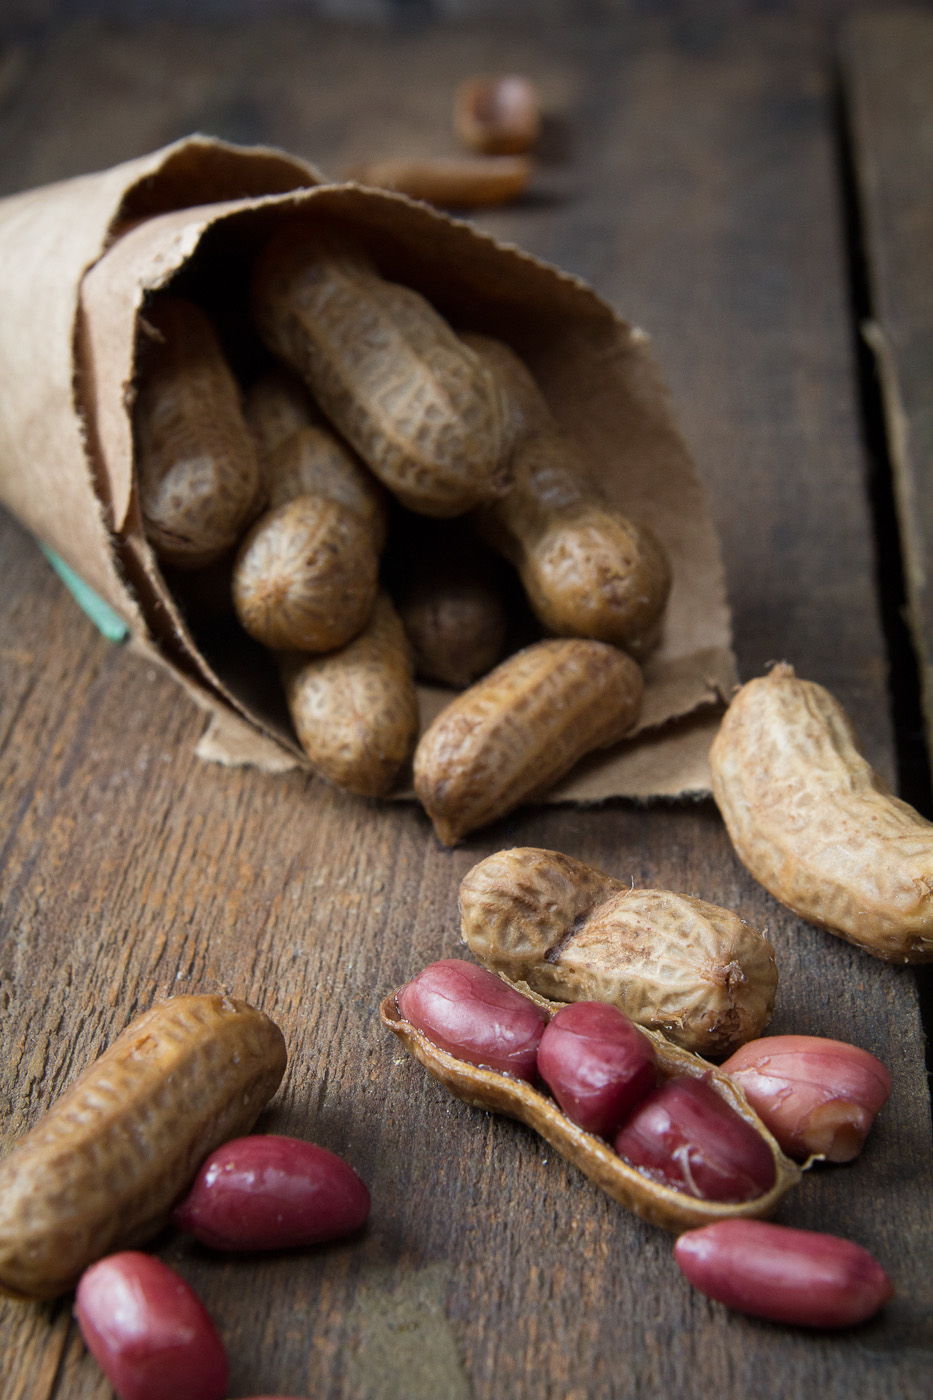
(737, 180)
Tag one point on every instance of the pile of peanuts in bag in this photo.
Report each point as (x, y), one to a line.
(356, 502)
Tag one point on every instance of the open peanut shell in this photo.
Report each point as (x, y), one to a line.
(658, 1204)
(78, 261)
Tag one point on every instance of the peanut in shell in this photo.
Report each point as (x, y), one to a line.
(519, 729)
(588, 569)
(355, 710)
(306, 576)
(816, 825)
(102, 1169)
(197, 473)
(697, 973)
(387, 370)
(301, 455)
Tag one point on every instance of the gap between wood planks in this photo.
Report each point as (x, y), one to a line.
(913, 761)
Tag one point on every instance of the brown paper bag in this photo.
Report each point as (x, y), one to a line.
(77, 261)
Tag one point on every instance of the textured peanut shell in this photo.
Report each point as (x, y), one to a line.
(450, 597)
(416, 403)
(519, 729)
(355, 711)
(278, 405)
(301, 455)
(197, 471)
(658, 1204)
(306, 576)
(697, 973)
(103, 1168)
(814, 823)
(588, 570)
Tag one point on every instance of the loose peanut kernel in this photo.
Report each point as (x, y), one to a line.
(799, 1277)
(149, 1332)
(818, 1097)
(271, 1192)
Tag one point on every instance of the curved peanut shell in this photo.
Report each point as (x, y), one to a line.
(697, 973)
(416, 403)
(355, 711)
(103, 1168)
(814, 823)
(519, 729)
(587, 569)
(306, 576)
(658, 1204)
(197, 473)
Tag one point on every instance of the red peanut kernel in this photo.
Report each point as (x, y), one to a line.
(148, 1331)
(793, 1276)
(474, 1015)
(817, 1096)
(686, 1136)
(272, 1192)
(596, 1063)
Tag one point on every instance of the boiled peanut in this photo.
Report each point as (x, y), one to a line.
(815, 825)
(685, 1135)
(818, 1097)
(103, 1168)
(451, 600)
(498, 115)
(277, 406)
(453, 182)
(149, 1332)
(596, 1063)
(486, 1087)
(677, 964)
(518, 730)
(416, 403)
(306, 576)
(587, 569)
(301, 455)
(272, 1192)
(475, 1015)
(355, 710)
(197, 473)
(799, 1277)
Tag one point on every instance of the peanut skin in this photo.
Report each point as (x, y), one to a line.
(697, 973)
(197, 472)
(815, 825)
(103, 1168)
(416, 403)
(587, 569)
(355, 711)
(514, 733)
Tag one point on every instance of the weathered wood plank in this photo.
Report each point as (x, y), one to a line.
(888, 61)
(692, 180)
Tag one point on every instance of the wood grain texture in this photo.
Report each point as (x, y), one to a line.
(888, 65)
(689, 174)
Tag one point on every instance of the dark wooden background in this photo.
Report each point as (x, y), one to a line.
(751, 183)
